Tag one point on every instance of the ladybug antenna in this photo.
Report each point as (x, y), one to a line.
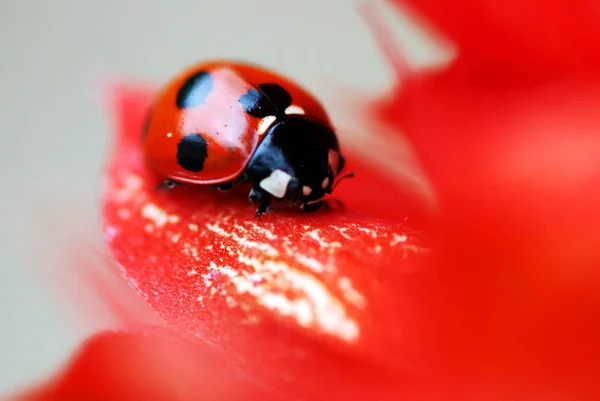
(335, 184)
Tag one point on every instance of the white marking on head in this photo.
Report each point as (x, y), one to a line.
(325, 182)
(169, 134)
(276, 184)
(333, 158)
(264, 124)
(306, 190)
(294, 110)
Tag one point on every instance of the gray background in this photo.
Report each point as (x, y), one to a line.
(54, 130)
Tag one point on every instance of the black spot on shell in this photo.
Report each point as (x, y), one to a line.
(269, 100)
(280, 97)
(194, 90)
(256, 104)
(192, 151)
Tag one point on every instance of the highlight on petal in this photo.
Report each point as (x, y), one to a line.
(301, 302)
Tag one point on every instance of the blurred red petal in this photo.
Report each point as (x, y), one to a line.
(515, 39)
(513, 153)
(307, 303)
(145, 366)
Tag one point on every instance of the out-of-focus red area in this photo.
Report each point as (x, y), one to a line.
(517, 40)
(508, 136)
(138, 366)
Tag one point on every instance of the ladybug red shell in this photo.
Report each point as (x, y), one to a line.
(221, 121)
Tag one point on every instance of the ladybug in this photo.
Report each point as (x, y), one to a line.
(221, 122)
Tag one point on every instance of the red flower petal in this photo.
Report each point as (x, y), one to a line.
(306, 303)
(142, 366)
(518, 39)
(513, 153)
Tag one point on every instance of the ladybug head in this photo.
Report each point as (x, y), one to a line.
(298, 159)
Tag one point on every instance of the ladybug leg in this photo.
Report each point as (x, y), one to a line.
(312, 207)
(167, 184)
(224, 187)
(260, 197)
(327, 204)
(262, 208)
